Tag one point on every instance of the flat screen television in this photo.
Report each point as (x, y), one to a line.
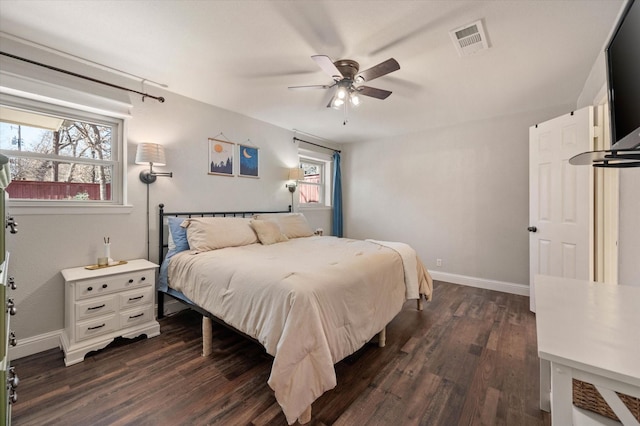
(623, 78)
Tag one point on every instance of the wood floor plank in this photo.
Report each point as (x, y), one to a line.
(469, 358)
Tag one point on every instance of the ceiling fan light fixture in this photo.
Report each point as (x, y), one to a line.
(345, 73)
(354, 99)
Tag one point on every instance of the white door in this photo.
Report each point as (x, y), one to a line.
(560, 206)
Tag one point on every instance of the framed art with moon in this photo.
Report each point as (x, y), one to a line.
(221, 157)
(249, 161)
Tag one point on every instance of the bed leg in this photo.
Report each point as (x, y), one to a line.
(305, 417)
(382, 338)
(420, 303)
(207, 336)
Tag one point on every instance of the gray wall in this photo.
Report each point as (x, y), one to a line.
(460, 194)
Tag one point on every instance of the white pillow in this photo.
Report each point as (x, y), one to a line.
(293, 225)
(268, 232)
(211, 233)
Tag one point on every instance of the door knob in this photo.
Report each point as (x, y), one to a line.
(532, 229)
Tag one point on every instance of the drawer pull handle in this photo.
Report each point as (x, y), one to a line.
(136, 316)
(131, 299)
(96, 327)
(130, 280)
(11, 307)
(12, 339)
(104, 286)
(89, 288)
(13, 396)
(13, 380)
(96, 307)
(12, 283)
(142, 279)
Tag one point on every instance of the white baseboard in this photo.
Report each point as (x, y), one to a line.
(33, 345)
(505, 287)
(44, 342)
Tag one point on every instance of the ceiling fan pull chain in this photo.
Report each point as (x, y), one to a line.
(346, 114)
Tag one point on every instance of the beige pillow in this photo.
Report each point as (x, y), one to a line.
(268, 232)
(293, 225)
(211, 233)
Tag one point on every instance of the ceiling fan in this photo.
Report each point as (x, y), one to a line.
(345, 74)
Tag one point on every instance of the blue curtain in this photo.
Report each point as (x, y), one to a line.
(337, 196)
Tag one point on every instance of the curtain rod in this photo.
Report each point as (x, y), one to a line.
(315, 144)
(144, 95)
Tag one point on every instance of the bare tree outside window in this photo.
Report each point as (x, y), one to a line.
(56, 158)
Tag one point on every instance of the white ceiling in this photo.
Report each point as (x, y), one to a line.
(242, 55)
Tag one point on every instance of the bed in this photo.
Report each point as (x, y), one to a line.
(309, 300)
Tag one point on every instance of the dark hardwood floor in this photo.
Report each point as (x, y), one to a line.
(469, 358)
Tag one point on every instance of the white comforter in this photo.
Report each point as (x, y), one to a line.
(309, 301)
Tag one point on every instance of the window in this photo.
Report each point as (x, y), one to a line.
(314, 189)
(60, 155)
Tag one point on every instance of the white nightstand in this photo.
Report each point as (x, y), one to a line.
(106, 303)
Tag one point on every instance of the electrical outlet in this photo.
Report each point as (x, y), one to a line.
(438, 262)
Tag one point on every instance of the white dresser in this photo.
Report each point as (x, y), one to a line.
(106, 303)
(587, 331)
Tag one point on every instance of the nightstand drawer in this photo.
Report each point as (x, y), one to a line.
(136, 316)
(96, 327)
(142, 296)
(113, 283)
(96, 306)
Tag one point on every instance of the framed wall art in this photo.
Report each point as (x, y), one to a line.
(221, 157)
(249, 161)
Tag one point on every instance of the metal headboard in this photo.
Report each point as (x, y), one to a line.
(162, 245)
(162, 214)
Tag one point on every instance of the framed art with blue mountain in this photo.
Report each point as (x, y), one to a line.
(221, 157)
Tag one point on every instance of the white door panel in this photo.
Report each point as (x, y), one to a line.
(560, 216)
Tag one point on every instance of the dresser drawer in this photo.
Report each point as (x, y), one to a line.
(136, 316)
(96, 327)
(138, 297)
(113, 283)
(96, 306)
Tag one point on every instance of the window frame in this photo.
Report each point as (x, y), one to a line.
(117, 161)
(326, 162)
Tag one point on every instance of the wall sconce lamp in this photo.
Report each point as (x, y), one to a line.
(295, 175)
(152, 154)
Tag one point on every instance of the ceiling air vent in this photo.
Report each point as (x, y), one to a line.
(469, 39)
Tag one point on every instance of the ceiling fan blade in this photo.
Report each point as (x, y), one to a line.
(327, 66)
(317, 86)
(383, 68)
(373, 92)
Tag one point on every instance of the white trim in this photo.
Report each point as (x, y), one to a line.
(26, 88)
(36, 344)
(18, 209)
(311, 207)
(118, 162)
(505, 287)
(53, 339)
